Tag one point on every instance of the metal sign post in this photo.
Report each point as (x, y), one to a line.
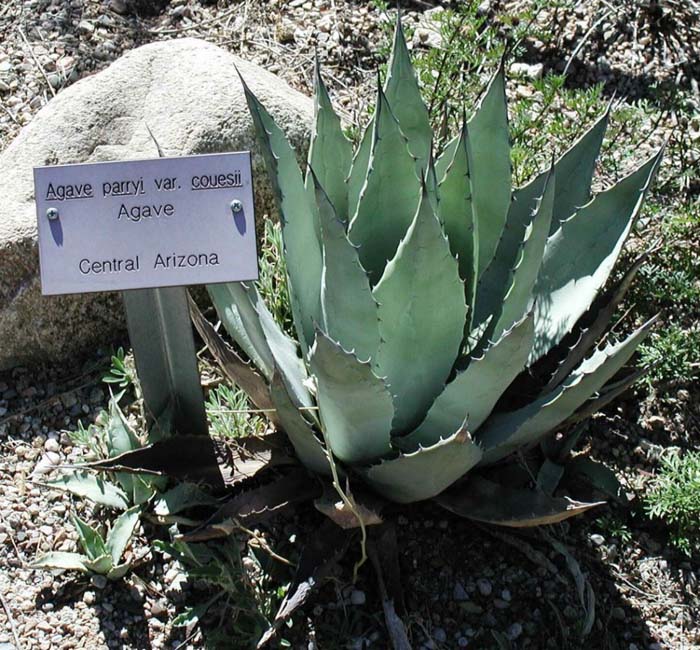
(160, 332)
(149, 228)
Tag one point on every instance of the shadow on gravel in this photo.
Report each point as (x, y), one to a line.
(466, 584)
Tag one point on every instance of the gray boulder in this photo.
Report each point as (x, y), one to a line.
(188, 92)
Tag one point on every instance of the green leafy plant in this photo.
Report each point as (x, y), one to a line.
(247, 599)
(101, 554)
(445, 321)
(121, 373)
(230, 413)
(123, 489)
(674, 497)
(109, 437)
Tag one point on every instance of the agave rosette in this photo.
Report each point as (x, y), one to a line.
(443, 319)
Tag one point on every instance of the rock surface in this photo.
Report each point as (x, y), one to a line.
(188, 93)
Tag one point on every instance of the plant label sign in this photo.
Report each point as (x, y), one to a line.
(146, 223)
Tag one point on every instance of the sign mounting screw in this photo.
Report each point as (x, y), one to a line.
(52, 214)
(236, 206)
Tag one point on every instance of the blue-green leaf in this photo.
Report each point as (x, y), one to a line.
(574, 171)
(102, 565)
(455, 213)
(384, 215)
(405, 99)
(518, 299)
(242, 323)
(86, 485)
(299, 228)
(426, 472)
(422, 315)
(499, 276)
(330, 152)
(476, 390)
(121, 532)
(348, 308)
(355, 405)
(358, 170)
(505, 432)
(446, 156)
(60, 560)
(307, 446)
(251, 325)
(489, 167)
(90, 539)
(579, 257)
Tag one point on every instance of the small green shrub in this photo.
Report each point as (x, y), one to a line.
(231, 414)
(672, 355)
(674, 497)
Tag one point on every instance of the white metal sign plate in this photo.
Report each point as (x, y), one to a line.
(146, 223)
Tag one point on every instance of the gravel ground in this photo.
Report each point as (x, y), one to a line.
(461, 581)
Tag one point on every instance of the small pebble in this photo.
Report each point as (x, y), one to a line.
(598, 540)
(459, 593)
(439, 635)
(358, 597)
(484, 586)
(618, 613)
(98, 581)
(514, 631)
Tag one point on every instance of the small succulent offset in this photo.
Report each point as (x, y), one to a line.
(101, 554)
(128, 493)
(444, 319)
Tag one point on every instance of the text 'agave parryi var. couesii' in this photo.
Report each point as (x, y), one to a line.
(444, 319)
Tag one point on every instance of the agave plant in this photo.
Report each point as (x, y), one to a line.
(444, 320)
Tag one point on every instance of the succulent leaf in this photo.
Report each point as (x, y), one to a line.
(601, 313)
(444, 160)
(427, 472)
(499, 277)
(355, 405)
(299, 228)
(121, 532)
(455, 212)
(307, 446)
(240, 372)
(60, 560)
(404, 96)
(101, 565)
(348, 309)
(476, 390)
(579, 257)
(505, 432)
(90, 539)
(606, 395)
(422, 315)
(491, 503)
(330, 152)
(242, 323)
(86, 485)
(284, 352)
(249, 322)
(358, 169)
(489, 167)
(383, 217)
(518, 300)
(574, 171)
